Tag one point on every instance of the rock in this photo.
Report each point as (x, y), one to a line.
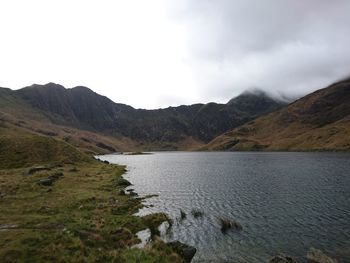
(185, 251)
(182, 215)
(282, 259)
(197, 213)
(123, 182)
(133, 194)
(227, 224)
(35, 169)
(317, 256)
(57, 175)
(45, 182)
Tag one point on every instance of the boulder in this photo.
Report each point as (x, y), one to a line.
(317, 256)
(282, 259)
(123, 182)
(45, 182)
(185, 251)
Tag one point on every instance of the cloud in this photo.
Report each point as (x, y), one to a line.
(284, 47)
(159, 53)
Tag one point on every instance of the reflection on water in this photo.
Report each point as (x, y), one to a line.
(286, 202)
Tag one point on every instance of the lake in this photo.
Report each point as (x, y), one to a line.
(286, 202)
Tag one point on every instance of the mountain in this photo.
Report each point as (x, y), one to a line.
(18, 119)
(182, 127)
(319, 121)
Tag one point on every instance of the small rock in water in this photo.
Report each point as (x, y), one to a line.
(133, 194)
(227, 224)
(282, 259)
(182, 215)
(317, 256)
(197, 213)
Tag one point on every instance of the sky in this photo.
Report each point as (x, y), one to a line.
(160, 53)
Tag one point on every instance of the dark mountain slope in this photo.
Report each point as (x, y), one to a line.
(17, 117)
(318, 121)
(82, 108)
(213, 119)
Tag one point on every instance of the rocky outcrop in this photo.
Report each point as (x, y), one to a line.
(185, 251)
(123, 182)
(282, 259)
(317, 256)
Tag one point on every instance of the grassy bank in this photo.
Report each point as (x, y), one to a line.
(84, 216)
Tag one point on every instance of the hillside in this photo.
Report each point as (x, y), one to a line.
(182, 127)
(21, 149)
(17, 117)
(317, 122)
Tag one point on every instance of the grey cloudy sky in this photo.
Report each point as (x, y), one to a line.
(158, 53)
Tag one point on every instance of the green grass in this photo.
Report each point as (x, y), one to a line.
(75, 220)
(26, 149)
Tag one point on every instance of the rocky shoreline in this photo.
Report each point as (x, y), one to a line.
(313, 256)
(77, 212)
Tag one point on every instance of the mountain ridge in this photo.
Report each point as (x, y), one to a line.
(82, 108)
(317, 122)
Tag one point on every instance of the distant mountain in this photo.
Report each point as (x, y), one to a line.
(180, 127)
(318, 121)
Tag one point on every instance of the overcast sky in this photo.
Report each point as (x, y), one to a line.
(158, 53)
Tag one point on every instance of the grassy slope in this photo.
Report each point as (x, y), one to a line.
(21, 149)
(82, 217)
(74, 220)
(317, 122)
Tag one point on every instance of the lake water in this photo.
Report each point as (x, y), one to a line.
(286, 202)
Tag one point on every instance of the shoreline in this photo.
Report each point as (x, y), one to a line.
(76, 212)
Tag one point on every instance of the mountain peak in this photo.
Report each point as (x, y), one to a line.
(82, 88)
(255, 100)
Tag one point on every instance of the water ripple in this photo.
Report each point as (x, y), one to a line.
(286, 202)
